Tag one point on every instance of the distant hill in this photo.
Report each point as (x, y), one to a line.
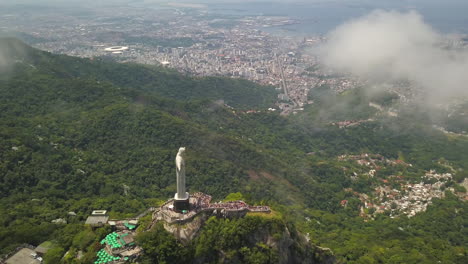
(168, 83)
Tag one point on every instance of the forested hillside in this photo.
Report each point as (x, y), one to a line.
(79, 134)
(252, 239)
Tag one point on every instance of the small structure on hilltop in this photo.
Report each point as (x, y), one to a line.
(128, 224)
(119, 247)
(24, 256)
(44, 247)
(97, 218)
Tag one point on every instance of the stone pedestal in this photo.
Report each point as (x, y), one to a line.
(181, 203)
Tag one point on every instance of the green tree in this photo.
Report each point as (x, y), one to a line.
(54, 255)
(161, 247)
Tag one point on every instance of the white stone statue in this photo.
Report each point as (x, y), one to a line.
(180, 171)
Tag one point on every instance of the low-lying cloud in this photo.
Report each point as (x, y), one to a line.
(388, 46)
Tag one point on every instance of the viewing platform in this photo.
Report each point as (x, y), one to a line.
(200, 202)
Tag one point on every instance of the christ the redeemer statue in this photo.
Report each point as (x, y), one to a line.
(181, 198)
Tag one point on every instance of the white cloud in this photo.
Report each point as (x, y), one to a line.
(385, 46)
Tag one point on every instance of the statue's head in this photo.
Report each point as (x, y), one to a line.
(181, 151)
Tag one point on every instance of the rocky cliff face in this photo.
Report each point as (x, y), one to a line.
(293, 247)
(186, 232)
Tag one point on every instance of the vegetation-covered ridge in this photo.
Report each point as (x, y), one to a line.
(81, 134)
(162, 81)
(252, 239)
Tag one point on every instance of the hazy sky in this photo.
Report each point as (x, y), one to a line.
(373, 2)
(224, 1)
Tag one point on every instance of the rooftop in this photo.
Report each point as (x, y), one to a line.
(24, 256)
(96, 220)
(44, 247)
(99, 212)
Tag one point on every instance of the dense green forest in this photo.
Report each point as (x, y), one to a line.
(253, 239)
(76, 133)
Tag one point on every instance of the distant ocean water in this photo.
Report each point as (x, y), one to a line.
(447, 16)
